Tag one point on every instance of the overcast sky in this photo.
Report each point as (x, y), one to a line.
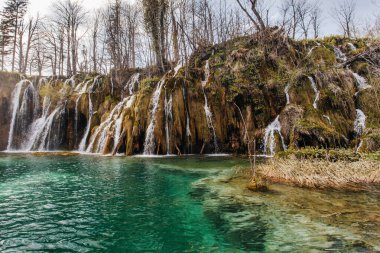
(366, 10)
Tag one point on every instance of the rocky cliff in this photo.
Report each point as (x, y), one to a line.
(280, 94)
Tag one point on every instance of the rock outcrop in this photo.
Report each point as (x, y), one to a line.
(196, 108)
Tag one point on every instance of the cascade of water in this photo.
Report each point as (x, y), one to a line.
(361, 82)
(83, 142)
(359, 126)
(132, 84)
(91, 89)
(15, 108)
(110, 128)
(287, 88)
(25, 106)
(188, 131)
(70, 81)
(352, 46)
(328, 119)
(317, 93)
(269, 137)
(38, 126)
(47, 129)
(149, 144)
(178, 67)
(339, 54)
(207, 110)
(82, 88)
(168, 120)
(42, 128)
(96, 82)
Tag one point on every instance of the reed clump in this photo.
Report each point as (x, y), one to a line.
(321, 174)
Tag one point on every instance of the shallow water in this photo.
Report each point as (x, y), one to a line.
(105, 204)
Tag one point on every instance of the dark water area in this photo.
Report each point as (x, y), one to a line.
(118, 204)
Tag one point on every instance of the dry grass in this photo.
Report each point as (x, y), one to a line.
(322, 174)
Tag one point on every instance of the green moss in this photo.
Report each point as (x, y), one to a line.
(322, 56)
(322, 154)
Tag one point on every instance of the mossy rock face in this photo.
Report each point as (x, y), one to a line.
(245, 93)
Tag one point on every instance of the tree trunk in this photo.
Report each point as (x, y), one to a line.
(15, 41)
(175, 38)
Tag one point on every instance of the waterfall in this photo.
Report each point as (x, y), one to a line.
(91, 89)
(70, 81)
(360, 121)
(207, 110)
(15, 107)
(77, 116)
(149, 144)
(110, 128)
(327, 118)
(352, 46)
(360, 82)
(25, 106)
(287, 88)
(188, 131)
(359, 126)
(317, 93)
(95, 82)
(82, 145)
(269, 137)
(42, 141)
(168, 120)
(178, 67)
(339, 54)
(82, 88)
(132, 84)
(38, 125)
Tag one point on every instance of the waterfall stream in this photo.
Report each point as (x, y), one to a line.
(150, 144)
(25, 106)
(287, 89)
(110, 129)
(359, 126)
(83, 142)
(38, 126)
(269, 137)
(132, 84)
(361, 83)
(316, 91)
(352, 46)
(168, 120)
(340, 56)
(207, 110)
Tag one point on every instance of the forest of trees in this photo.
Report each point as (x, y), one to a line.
(121, 35)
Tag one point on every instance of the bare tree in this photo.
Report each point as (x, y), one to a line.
(255, 16)
(304, 10)
(344, 14)
(70, 15)
(33, 25)
(316, 20)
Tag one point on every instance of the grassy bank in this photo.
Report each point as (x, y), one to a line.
(322, 169)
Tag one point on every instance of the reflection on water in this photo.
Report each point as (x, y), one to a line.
(104, 204)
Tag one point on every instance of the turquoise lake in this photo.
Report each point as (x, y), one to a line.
(54, 203)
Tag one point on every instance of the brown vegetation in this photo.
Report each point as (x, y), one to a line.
(321, 173)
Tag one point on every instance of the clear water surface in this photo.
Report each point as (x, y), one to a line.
(105, 204)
